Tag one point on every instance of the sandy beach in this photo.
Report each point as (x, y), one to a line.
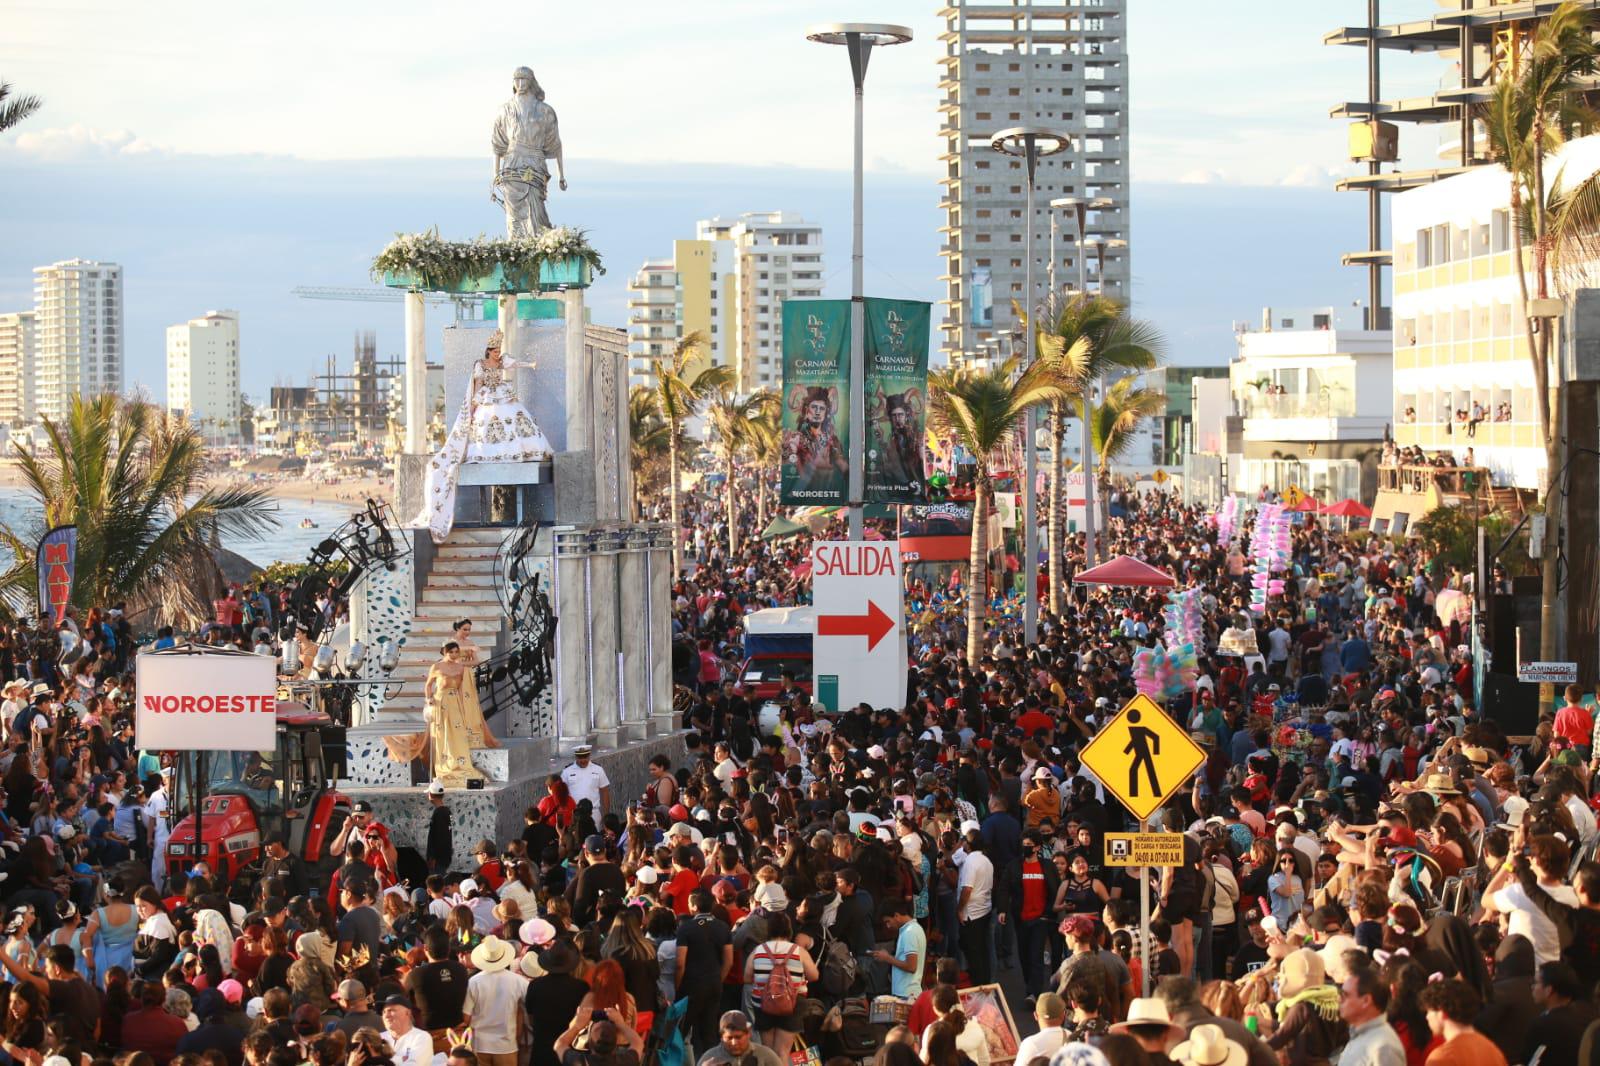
(354, 491)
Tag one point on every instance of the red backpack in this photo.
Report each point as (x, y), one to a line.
(780, 995)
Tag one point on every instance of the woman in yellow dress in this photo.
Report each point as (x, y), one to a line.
(478, 735)
(445, 710)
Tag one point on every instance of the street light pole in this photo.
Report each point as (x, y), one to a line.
(859, 39)
(1031, 143)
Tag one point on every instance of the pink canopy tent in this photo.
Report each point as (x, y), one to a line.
(1126, 571)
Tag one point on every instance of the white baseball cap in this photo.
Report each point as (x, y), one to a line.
(436, 787)
(969, 826)
(646, 875)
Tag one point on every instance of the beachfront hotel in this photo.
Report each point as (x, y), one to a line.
(203, 374)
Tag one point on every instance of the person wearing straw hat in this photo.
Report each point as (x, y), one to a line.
(1149, 1024)
(1208, 1046)
(493, 1003)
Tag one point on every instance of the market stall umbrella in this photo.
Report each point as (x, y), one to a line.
(1126, 571)
(1348, 509)
(1307, 504)
(781, 527)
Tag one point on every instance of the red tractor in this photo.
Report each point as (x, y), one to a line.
(243, 803)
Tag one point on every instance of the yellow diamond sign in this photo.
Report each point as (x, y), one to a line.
(1142, 756)
(1292, 496)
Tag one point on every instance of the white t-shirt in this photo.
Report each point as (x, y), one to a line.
(585, 783)
(1279, 641)
(1582, 818)
(1041, 1045)
(977, 872)
(973, 1040)
(413, 1049)
(156, 807)
(492, 1000)
(1527, 920)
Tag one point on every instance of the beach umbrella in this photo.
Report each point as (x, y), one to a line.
(1125, 571)
(781, 527)
(1307, 504)
(1348, 509)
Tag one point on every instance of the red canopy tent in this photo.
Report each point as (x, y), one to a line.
(1125, 571)
(1307, 504)
(1348, 509)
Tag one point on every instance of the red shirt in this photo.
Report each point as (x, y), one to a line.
(1033, 901)
(1035, 720)
(153, 1031)
(1574, 723)
(683, 882)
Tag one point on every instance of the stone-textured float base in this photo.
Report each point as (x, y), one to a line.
(495, 812)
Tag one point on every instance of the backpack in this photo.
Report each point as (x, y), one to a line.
(838, 968)
(780, 995)
(857, 1034)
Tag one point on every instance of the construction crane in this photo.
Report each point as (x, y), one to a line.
(351, 294)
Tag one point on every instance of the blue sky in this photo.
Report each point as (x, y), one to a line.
(225, 155)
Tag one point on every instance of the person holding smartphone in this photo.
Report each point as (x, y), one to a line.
(611, 1042)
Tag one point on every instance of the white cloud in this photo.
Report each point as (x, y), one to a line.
(78, 142)
(1203, 176)
(1309, 175)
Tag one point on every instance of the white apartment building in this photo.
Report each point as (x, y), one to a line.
(203, 374)
(1463, 376)
(728, 283)
(1313, 390)
(1054, 65)
(17, 356)
(77, 306)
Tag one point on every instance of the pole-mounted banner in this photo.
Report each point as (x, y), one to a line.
(57, 566)
(897, 399)
(816, 407)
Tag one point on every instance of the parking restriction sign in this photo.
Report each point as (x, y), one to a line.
(1142, 757)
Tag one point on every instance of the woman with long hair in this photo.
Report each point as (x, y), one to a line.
(274, 970)
(157, 942)
(608, 991)
(24, 1022)
(1406, 980)
(521, 887)
(626, 945)
(557, 807)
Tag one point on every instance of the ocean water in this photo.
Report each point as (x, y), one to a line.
(287, 543)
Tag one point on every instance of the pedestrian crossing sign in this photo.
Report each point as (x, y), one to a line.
(1142, 756)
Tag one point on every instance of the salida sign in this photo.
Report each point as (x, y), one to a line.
(206, 702)
(859, 652)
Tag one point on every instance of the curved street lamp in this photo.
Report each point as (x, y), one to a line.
(859, 38)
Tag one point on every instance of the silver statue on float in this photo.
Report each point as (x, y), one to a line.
(525, 137)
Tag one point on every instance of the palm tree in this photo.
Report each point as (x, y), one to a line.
(983, 410)
(734, 421)
(1084, 337)
(682, 389)
(14, 110)
(133, 483)
(1527, 118)
(1111, 424)
(648, 442)
(766, 453)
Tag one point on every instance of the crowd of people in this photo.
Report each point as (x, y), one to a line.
(1372, 873)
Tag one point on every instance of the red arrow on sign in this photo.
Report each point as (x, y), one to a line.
(874, 625)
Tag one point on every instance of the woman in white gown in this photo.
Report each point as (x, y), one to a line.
(492, 427)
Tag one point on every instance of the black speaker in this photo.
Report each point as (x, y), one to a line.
(1513, 704)
(334, 753)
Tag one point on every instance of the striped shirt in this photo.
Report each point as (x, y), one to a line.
(765, 957)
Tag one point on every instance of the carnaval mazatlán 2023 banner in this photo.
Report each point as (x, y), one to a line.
(816, 401)
(896, 351)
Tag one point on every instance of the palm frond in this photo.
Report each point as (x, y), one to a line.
(13, 110)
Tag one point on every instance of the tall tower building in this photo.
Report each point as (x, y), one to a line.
(1019, 63)
(203, 373)
(17, 355)
(77, 306)
(729, 284)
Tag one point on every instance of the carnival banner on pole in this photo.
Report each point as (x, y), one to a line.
(897, 400)
(57, 566)
(816, 401)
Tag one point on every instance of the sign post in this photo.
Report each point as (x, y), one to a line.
(860, 649)
(1142, 757)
